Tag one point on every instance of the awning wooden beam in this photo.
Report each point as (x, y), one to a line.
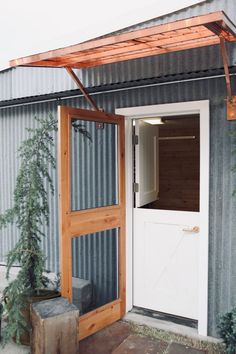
(226, 67)
(82, 88)
(231, 100)
(217, 29)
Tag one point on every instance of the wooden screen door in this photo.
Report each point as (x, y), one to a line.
(92, 215)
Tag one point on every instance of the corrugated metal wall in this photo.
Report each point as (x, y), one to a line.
(94, 166)
(222, 257)
(26, 82)
(208, 6)
(95, 258)
(94, 184)
(13, 124)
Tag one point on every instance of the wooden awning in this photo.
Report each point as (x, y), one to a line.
(194, 32)
(180, 35)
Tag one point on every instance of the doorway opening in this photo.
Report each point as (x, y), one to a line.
(166, 215)
(170, 163)
(167, 235)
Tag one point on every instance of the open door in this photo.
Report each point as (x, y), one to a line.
(92, 215)
(147, 163)
(167, 230)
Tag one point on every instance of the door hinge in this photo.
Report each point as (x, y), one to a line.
(136, 187)
(135, 139)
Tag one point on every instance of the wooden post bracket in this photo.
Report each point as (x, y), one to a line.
(231, 100)
(82, 88)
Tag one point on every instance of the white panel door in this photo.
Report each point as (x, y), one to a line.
(146, 152)
(166, 254)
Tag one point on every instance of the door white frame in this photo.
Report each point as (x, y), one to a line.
(172, 109)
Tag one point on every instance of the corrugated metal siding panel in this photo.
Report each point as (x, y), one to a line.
(208, 6)
(6, 85)
(94, 166)
(27, 82)
(94, 184)
(95, 259)
(13, 124)
(222, 260)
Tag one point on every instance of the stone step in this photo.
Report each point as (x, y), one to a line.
(135, 344)
(141, 345)
(176, 348)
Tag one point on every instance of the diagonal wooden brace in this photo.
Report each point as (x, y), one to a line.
(231, 100)
(82, 88)
(226, 67)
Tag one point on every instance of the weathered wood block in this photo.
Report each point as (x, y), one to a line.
(54, 327)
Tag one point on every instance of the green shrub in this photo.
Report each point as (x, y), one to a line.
(227, 330)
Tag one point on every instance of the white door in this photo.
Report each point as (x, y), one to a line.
(166, 242)
(166, 261)
(146, 162)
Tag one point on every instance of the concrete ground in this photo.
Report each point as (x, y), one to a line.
(122, 338)
(117, 339)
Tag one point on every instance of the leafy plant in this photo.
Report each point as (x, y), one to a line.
(227, 330)
(30, 212)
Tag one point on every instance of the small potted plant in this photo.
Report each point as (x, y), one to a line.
(227, 330)
(30, 212)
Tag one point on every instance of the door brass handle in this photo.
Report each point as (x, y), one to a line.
(194, 230)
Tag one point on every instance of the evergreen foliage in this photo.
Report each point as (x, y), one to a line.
(227, 330)
(30, 212)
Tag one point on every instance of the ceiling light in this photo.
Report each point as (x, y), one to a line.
(154, 121)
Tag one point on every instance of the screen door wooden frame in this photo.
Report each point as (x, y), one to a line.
(83, 222)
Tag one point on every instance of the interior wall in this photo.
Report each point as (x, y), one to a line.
(179, 165)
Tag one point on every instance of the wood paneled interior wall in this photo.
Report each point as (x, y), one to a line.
(179, 164)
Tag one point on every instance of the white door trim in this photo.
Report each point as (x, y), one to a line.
(183, 108)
